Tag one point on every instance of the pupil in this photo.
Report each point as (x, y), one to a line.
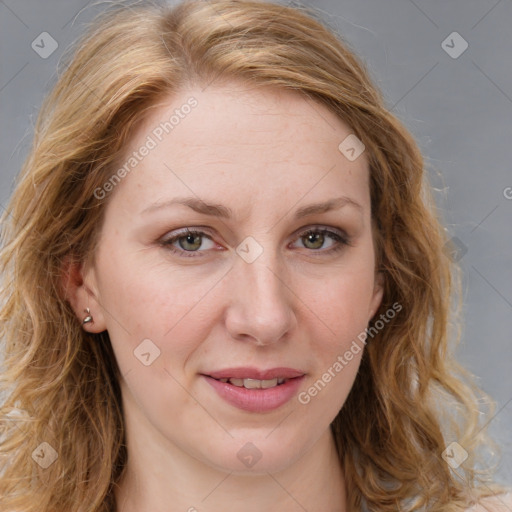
(190, 239)
(311, 238)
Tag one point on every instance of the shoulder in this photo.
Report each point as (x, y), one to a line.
(498, 503)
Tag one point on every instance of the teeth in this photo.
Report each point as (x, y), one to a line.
(255, 383)
(259, 384)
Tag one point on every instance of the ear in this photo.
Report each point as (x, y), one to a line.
(378, 293)
(80, 290)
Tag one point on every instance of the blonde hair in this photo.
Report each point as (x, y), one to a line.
(410, 398)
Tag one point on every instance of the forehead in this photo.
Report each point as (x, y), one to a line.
(238, 142)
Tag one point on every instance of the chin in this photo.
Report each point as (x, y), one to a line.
(256, 452)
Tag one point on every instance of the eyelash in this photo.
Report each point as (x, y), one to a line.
(340, 239)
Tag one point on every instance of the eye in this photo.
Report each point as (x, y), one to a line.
(315, 238)
(188, 242)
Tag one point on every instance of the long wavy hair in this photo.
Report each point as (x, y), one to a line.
(59, 384)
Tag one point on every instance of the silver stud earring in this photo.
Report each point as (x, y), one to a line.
(88, 318)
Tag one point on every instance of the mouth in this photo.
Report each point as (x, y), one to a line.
(256, 390)
(254, 383)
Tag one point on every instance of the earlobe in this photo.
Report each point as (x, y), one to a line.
(77, 288)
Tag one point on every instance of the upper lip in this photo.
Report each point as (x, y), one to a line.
(255, 373)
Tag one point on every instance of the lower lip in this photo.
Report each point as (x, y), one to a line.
(256, 400)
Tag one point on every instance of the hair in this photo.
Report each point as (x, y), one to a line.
(410, 398)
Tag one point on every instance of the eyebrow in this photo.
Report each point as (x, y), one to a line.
(219, 210)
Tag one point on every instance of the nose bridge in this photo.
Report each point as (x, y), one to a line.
(261, 306)
(259, 260)
(264, 278)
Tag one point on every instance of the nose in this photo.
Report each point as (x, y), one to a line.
(261, 308)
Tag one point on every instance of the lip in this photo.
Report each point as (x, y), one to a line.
(255, 373)
(256, 400)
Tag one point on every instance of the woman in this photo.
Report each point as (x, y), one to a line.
(224, 285)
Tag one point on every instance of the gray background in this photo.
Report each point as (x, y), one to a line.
(459, 110)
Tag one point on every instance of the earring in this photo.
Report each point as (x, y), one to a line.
(88, 318)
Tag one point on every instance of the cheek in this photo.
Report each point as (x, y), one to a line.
(337, 332)
(150, 302)
(149, 319)
(344, 300)
(337, 346)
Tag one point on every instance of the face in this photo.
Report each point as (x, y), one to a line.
(264, 286)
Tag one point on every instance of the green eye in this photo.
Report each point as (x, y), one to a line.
(187, 243)
(317, 237)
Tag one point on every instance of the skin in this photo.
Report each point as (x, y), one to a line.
(263, 153)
